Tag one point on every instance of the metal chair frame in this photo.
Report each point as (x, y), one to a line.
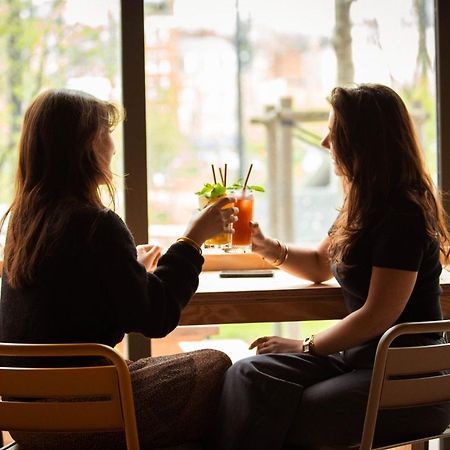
(87, 398)
(387, 390)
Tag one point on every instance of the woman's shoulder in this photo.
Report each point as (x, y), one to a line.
(401, 215)
(400, 206)
(95, 221)
(112, 220)
(88, 213)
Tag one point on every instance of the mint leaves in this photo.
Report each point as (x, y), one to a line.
(212, 191)
(238, 186)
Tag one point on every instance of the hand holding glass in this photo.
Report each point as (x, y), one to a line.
(222, 240)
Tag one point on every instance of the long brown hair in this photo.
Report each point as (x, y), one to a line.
(376, 148)
(58, 171)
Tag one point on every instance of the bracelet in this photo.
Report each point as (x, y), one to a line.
(278, 247)
(283, 254)
(190, 242)
(282, 259)
(286, 254)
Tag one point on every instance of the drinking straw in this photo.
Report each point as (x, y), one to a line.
(248, 176)
(221, 176)
(225, 176)
(214, 174)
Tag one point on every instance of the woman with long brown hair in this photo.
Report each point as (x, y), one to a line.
(384, 249)
(72, 272)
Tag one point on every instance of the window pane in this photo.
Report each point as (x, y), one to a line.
(53, 44)
(290, 52)
(301, 50)
(287, 48)
(191, 103)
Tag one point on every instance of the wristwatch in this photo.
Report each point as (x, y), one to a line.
(308, 345)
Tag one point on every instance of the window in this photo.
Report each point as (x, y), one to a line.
(216, 79)
(215, 71)
(249, 82)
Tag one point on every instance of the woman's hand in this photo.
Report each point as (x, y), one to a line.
(148, 255)
(212, 220)
(276, 344)
(265, 247)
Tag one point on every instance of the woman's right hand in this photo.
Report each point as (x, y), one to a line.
(276, 344)
(212, 220)
(266, 247)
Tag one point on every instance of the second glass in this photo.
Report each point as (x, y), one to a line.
(242, 237)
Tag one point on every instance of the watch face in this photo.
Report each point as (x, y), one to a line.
(306, 345)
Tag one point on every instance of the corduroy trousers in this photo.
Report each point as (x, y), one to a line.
(175, 398)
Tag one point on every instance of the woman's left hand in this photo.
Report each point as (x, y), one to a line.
(276, 344)
(148, 255)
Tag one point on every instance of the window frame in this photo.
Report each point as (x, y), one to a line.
(134, 140)
(442, 18)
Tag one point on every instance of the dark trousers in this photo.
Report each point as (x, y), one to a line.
(279, 400)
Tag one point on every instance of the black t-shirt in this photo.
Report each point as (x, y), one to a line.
(91, 288)
(398, 241)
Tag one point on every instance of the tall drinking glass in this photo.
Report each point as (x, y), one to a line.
(242, 237)
(222, 240)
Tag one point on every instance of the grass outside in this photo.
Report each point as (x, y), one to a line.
(248, 332)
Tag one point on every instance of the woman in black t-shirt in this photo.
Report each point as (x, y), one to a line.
(384, 249)
(72, 272)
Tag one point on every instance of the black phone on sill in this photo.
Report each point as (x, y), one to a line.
(250, 273)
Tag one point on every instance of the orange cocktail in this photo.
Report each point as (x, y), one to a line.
(242, 237)
(222, 240)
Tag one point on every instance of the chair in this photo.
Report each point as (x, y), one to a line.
(403, 377)
(100, 397)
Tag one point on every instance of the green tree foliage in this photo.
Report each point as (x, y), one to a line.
(164, 138)
(39, 50)
(419, 94)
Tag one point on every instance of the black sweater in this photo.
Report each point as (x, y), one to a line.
(90, 287)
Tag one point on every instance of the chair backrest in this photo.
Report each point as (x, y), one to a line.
(70, 399)
(407, 376)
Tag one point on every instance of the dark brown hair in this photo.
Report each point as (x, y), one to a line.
(376, 148)
(58, 170)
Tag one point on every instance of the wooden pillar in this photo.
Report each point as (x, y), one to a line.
(135, 148)
(443, 95)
